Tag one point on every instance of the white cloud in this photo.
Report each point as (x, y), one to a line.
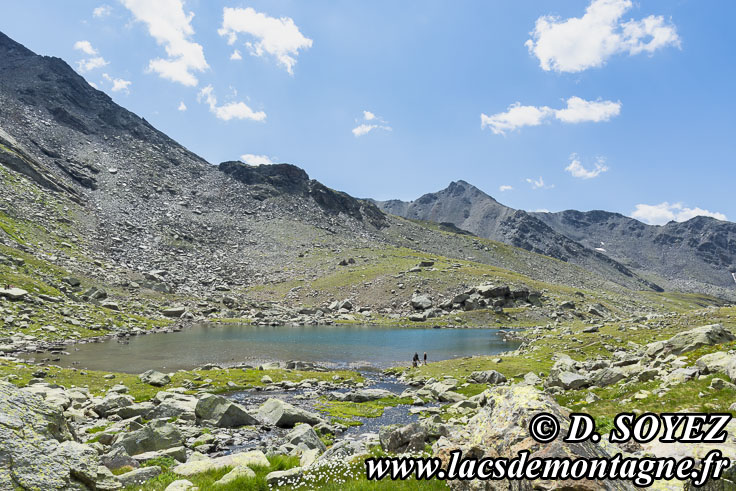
(182, 107)
(252, 159)
(515, 117)
(171, 27)
(90, 64)
(231, 110)
(118, 84)
(94, 61)
(102, 11)
(365, 128)
(667, 212)
(92, 84)
(579, 43)
(539, 183)
(279, 38)
(505, 187)
(236, 55)
(85, 47)
(576, 168)
(577, 111)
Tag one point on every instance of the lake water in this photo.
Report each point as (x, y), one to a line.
(340, 346)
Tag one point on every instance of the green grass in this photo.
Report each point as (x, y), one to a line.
(206, 480)
(218, 379)
(348, 411)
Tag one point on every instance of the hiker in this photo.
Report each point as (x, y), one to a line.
(425, 357)
(415, 360)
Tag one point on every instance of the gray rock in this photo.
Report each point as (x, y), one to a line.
(276, 412)
(36, 447)
(606, 377)
(139, 476)
(409, 438)
(491, 377)
(421, 302)
(221, 412)
(13, 293)
(180, 485)
(304, 437)
(717, 362)
(156, 435)
(690, 340)
(174, 312)
(239, 472)
(566, 380)
(361, 395)
(152, 377)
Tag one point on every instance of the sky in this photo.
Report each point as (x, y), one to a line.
(545, 105)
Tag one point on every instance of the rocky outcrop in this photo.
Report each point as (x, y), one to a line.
(690, 340)
(38, 450)
(501, 429)
(276, 412)
(218, 411)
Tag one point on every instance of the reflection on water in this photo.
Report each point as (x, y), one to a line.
(232, 344)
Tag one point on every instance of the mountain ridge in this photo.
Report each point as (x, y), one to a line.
(697, 255)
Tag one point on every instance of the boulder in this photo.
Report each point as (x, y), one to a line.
(139, 476)
(152, 377)
(240, 472)
(690, 340)
(402, 439)
(173, 405)
(717, 362)
(491, 377)
(284, 478)
(501, 429)
(199, 463)
(156, 435)
(305, 438)
(37, 450)
(174, 312)
(276, 412)
(421, 302)
(221, 412)
(361, 395)
(180, 485)
(606, 377)
(13, 293)
(566, 380)
(493, 291)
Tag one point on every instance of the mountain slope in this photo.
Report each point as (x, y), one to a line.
(698, 255)
(469, 208)
(700, 250)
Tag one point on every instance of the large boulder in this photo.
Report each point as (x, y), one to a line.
(401, 439)
(111, 403)
(173, 405)
(221, 412)
(13, 293)
(566, 380)
(501, 429)
(361, 395)
(491, 377)
(305, 438)
(139, 476)
(715, 362)
(37, 447)
(199, 463)
(690, 340)
(421, 301)
(276, 412)
(606, 377)
(152, 377)
(156, 435)
(493, 291)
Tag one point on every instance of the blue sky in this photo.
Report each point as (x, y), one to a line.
(622, 106)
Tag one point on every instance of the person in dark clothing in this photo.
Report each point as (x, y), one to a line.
(425, 357)
(415, 360)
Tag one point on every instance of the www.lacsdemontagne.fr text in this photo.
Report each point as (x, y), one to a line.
(640, 471)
